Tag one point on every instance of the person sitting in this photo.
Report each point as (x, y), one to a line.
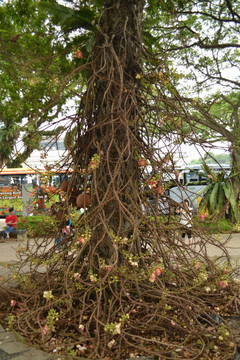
(11, 222)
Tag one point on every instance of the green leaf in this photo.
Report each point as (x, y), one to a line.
(70, 19)
(205, 200)
(229, 193)
(221, 197)
(211, 174)
(204, 190)
(220, 176)
(148, 39)
(61, 13)
(90, 43)
(213, 198)
(98, 3)
(227, 188)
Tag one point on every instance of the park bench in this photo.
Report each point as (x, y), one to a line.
(20, 234)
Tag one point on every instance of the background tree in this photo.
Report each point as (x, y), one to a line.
(202, 58)
(35, 78)
(211, 158)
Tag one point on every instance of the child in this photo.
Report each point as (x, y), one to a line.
(11, 222)
(185, 214)
(66, 230)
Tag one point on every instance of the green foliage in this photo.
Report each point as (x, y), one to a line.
(211, 158)
(52, 317)
(37, 225)
(71, 19)
(202, 38)
(36, 62)
(217, 226)
(219, 194)
(33, 67)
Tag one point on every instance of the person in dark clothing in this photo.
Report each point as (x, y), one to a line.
(66, 230)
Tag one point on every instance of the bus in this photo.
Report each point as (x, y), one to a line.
(195, 174)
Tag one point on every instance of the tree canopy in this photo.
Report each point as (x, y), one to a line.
(197, 83)
(221, 158)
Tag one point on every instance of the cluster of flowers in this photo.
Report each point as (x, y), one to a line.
(81, 240)
(78, 54)
(95, 161)
(156, 272)
(203, 217)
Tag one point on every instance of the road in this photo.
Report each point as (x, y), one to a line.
(8, 249)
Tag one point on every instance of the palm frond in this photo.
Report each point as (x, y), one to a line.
(70, 19)
(213, 198)
(229, 193)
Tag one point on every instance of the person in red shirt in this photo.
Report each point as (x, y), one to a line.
(11, 222)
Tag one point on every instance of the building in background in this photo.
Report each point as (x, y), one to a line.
(51, 154)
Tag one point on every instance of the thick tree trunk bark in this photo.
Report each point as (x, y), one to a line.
(113, 114)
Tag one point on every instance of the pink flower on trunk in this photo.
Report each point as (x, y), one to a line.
(81, 240)
(152, 183)
(203, 217)
(198, 265)
(93, 164)
(45, 330)
(108, 268)
(78, 54)
(222, 283)
(142, 162)
(152, 277)
(158, 271)
(160, 190)
(12, 303)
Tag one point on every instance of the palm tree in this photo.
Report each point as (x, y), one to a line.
(219, 194)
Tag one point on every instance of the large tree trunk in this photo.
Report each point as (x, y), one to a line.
(113, 113)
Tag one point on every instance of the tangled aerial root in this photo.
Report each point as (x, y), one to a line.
(169, 301)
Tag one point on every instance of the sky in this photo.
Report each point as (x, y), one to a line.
(193, 152)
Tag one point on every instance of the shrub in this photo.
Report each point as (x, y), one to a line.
(37, 225)
(217, 226)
